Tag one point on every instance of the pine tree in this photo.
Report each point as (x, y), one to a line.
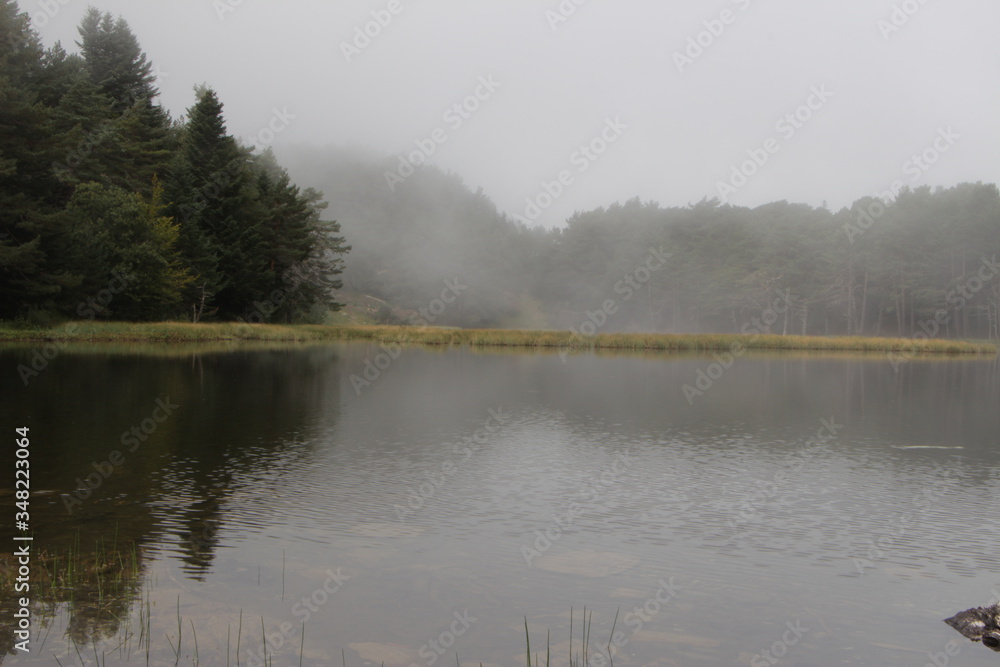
(325, 261)
(83, 129)
(126, 243)
(82, 143)
(116, 63)
(302, 252)
(30, 239)
(135, 131)
(210, 195)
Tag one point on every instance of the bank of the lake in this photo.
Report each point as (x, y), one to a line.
(561, 340)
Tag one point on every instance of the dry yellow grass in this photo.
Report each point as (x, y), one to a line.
(563, 340)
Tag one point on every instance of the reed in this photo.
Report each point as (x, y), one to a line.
(582, 654)
(98, 577)
(583, 657)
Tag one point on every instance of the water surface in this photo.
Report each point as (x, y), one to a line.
(825, 509)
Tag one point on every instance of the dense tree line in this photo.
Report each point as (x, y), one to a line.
(919, 262)
(109, 208)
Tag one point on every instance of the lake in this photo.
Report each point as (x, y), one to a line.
(407, 505)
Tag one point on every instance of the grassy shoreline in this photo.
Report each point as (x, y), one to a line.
(180, 332)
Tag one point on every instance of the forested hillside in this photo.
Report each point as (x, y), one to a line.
(923, 262)
(110, 209)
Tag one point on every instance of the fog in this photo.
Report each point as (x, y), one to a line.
(894, 75)
(746, 166)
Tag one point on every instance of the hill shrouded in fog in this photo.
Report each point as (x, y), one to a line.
(922, 262)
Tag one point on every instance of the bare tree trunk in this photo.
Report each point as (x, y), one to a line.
(850, 295)
(200, 308)
(993, 312)
(913, 312)
(965, 310)
(864, 305)
(899, 313)
(788, 307)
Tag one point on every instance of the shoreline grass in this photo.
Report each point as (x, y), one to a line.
(180, 332)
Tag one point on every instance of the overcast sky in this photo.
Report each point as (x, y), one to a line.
(887, 80)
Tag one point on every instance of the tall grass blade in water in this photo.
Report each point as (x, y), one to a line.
(611, 637)
(263, 639)
(149, 616)
(195, 633)
(527, 639)
(77, 649)
(571, 636)
(239, 632)
(180, 628)
(302, 643)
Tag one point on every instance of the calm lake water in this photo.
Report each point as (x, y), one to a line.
(825, 510)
